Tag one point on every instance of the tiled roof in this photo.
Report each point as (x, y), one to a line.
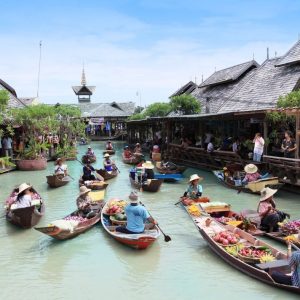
(114, 109)
(186, 89)
(291, 57)
(229, 74)
(14, 101)
(263, 88)
(77, 88)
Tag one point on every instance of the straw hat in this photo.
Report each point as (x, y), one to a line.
(83, 190)
(266, 193)
(195, 177)
(251, 168)
(148, 165)
(89, 147)
(23, 187)
(106, 155)
(133, 197)
(137, 144)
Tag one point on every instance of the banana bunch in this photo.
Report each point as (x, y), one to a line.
(291, 238)
(266, 258)
(194, 210)
(233, 250)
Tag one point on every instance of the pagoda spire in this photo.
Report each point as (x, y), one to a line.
(83, 79)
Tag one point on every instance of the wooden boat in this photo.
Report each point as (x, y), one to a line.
(152, 185)
(56, 181)
(93, 184)
(107, 175)
(68, 232)
(208, 227)
(252, 187)
(176, 170)
(169, 177)
(85, 158)
(26, 217)
(133, 160)
(137, 241)
(110, 152)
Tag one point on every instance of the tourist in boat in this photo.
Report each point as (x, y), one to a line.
(294, 278)
(148, 173)
(289, 146)
(84, 203)
(142, 161)
(127, 153)
(60, 169)
(87, 172)
(136, 215)
(251, 173)
(108, 164)
(137, 149)
(270, 216)
(259, 144)
(90, 151)
(82, 141)
(24, 197)
(109, 146)
(194, 189)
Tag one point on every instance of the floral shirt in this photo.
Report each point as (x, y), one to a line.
(83, 201)
(252, 177)
(263, 207)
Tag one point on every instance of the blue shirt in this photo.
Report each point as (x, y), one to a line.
(87, 171)
(136, 217)
(197, 189)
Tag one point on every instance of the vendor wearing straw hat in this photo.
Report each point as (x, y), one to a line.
(270, 216)
(24, 196)
(60, 169)
(90, 151)
(108, 163)
(109, 146)
(251, 173)
(136, 215)
(194, 189)
(138, 149)
(148, 166)
(84, 203)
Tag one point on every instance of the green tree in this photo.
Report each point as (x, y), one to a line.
(290, 100)
(185, 104)
(158, 109)
(4, 97)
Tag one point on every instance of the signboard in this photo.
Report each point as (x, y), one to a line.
(96, 121)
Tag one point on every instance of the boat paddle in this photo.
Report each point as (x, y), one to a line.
(99, 177)
(178, 201)
(295, 247)
(167, 237)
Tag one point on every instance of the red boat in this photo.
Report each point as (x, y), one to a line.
(137, 241)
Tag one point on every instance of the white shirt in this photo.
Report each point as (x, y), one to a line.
(259, 145)
(208, 137)
(24, 201)
(60, 169)
(235, 147)
(210, 147)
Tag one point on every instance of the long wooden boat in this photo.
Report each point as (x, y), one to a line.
(85, 158)
(176, 170)
(94, 185)
(278, 236)
(133, 160)
(251, 187)
(26, 217)
(171, 177)
(137, 241)
(208, 228)
(110, 152)
(107, 175)
(68, 231)
(152, 185)
(55, 181)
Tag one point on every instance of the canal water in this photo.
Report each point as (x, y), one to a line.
(34, 266)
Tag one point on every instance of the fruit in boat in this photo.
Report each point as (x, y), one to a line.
(267, 258)
(194, 210)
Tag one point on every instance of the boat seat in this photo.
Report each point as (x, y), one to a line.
(273, 264)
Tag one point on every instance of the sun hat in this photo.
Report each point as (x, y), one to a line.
(133, 197)
(106, 155)
(148, 165)
(89, 147)
(251, 168)
(24, 186)
(266, 193)
(195, 177)
(83, 190)
(137, 144)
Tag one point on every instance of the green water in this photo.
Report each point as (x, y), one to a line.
(34, 266)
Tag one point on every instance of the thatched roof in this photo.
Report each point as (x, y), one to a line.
(186, 89)
(291, 57)
(14, 101)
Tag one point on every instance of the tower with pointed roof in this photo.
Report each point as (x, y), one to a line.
(83, 91)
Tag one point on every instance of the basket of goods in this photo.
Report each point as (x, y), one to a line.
(289, 228)
(254, 255)
(115, 207)
(225, 238)
(118, 219)
(233, 250)
(194, 210)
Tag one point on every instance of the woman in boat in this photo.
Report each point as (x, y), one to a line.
(294, 278)
(84, 203)
(87, 172)
(194, 189)
(270, 216)
(142, 161)
(109, 146)
(108, 164)
(60, 169)
(90, 151)
(289, 146)
(127, 153)
(24, 197)
(137, 149)
(149, 173)
(136, 215)
(251, 173)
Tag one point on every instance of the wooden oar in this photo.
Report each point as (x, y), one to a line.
(99, 177)
(295, 247)
(179, 201)
(167, 237)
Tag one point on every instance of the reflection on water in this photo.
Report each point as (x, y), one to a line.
(34, 266)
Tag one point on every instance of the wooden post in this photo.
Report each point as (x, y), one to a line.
(265, 134)
(297, 134)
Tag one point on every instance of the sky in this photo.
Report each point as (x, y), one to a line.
(140, 51)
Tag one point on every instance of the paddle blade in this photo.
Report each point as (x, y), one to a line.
(167, 238)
